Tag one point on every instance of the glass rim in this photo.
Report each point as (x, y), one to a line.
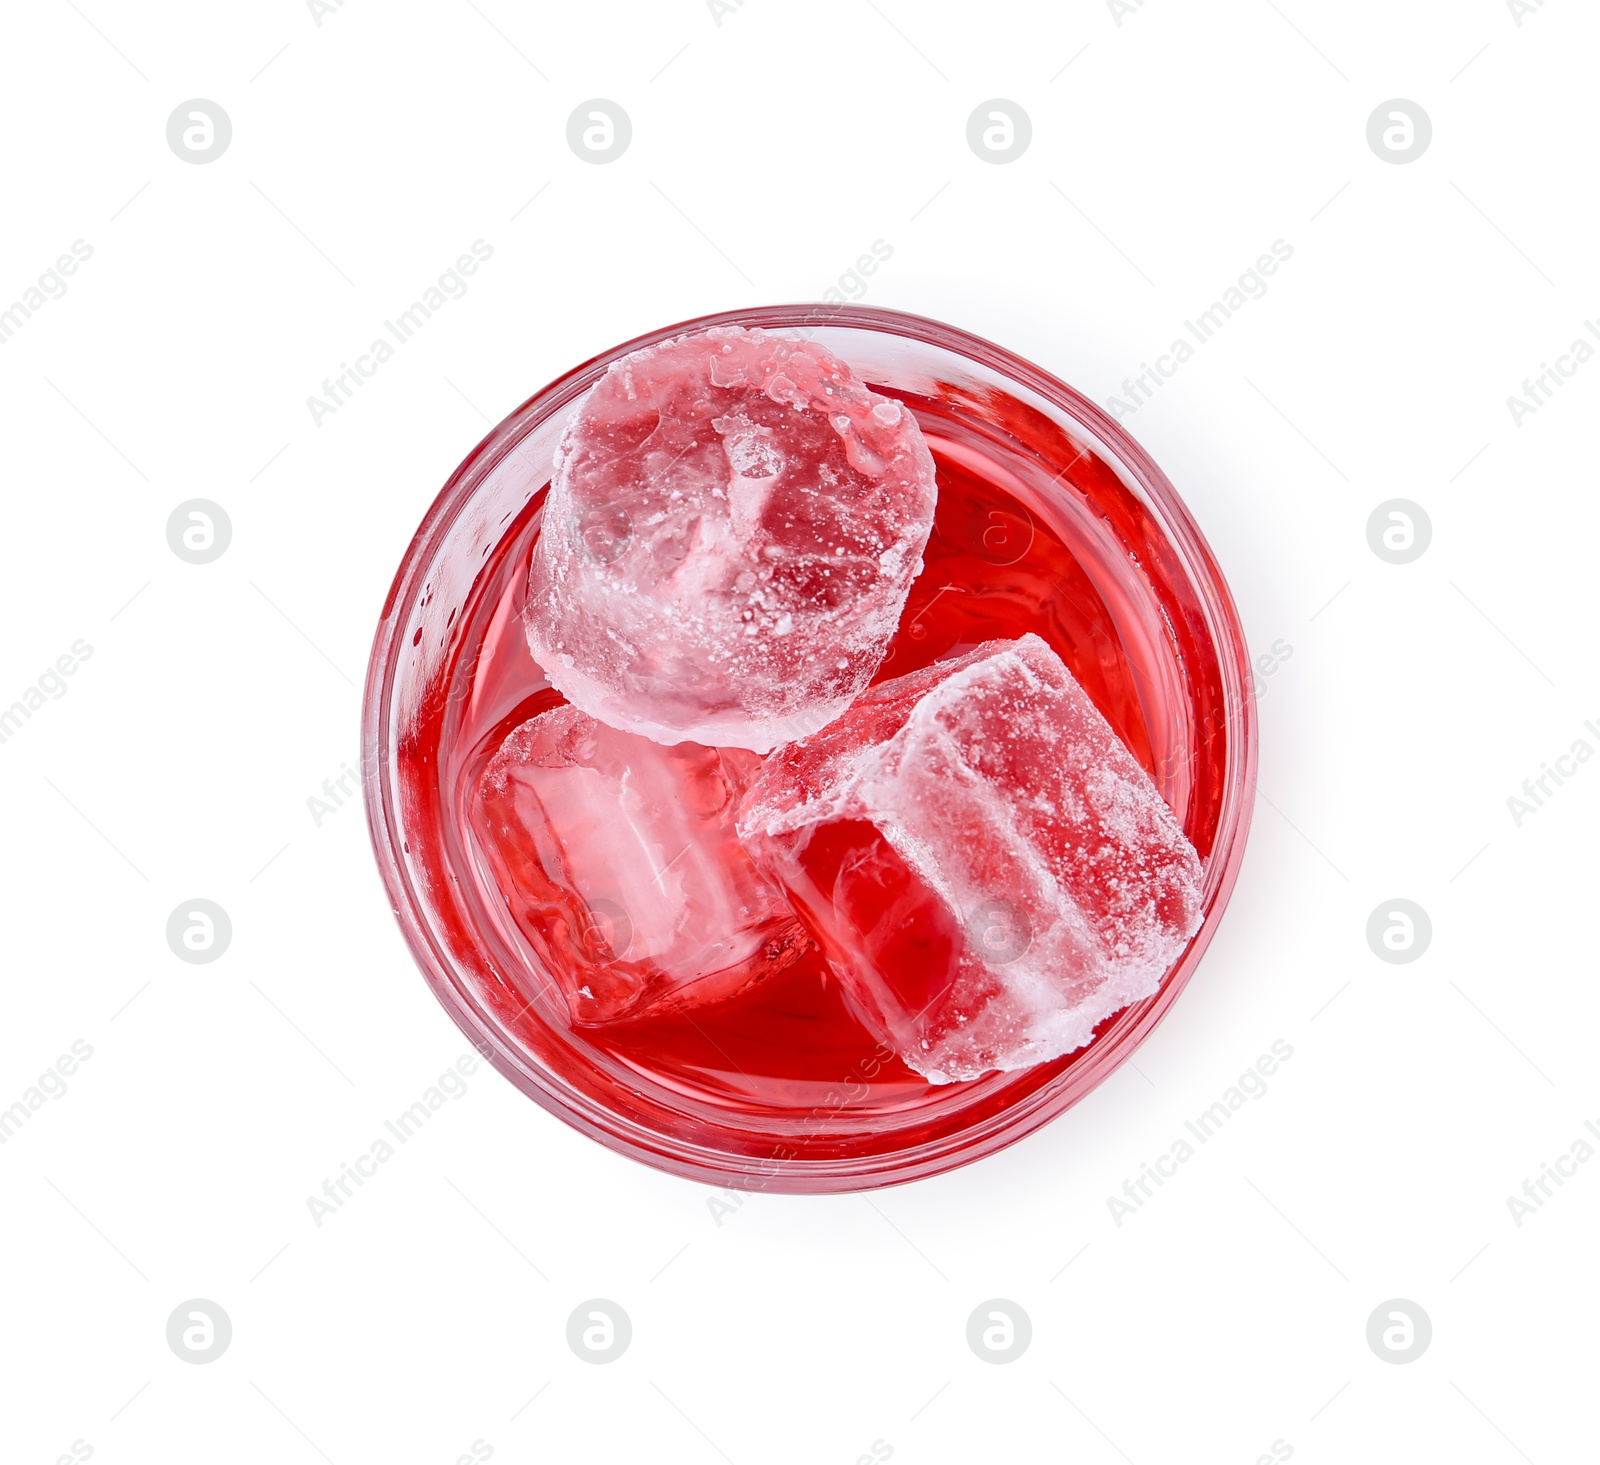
(1126, 1030)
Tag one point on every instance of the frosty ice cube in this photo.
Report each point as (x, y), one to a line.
(988, 870)
(730, 534)
(618, 862)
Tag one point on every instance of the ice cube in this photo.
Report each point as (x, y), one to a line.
(618, 862)
(986, 867)
(731, 530)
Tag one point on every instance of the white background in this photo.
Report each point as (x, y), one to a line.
(768, 153)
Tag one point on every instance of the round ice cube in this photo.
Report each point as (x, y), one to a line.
(730, 534)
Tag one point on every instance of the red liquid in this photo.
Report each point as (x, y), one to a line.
(784, 1070)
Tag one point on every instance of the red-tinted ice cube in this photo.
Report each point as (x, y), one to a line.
(730, 534)
(988, 870)
(618, 862)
